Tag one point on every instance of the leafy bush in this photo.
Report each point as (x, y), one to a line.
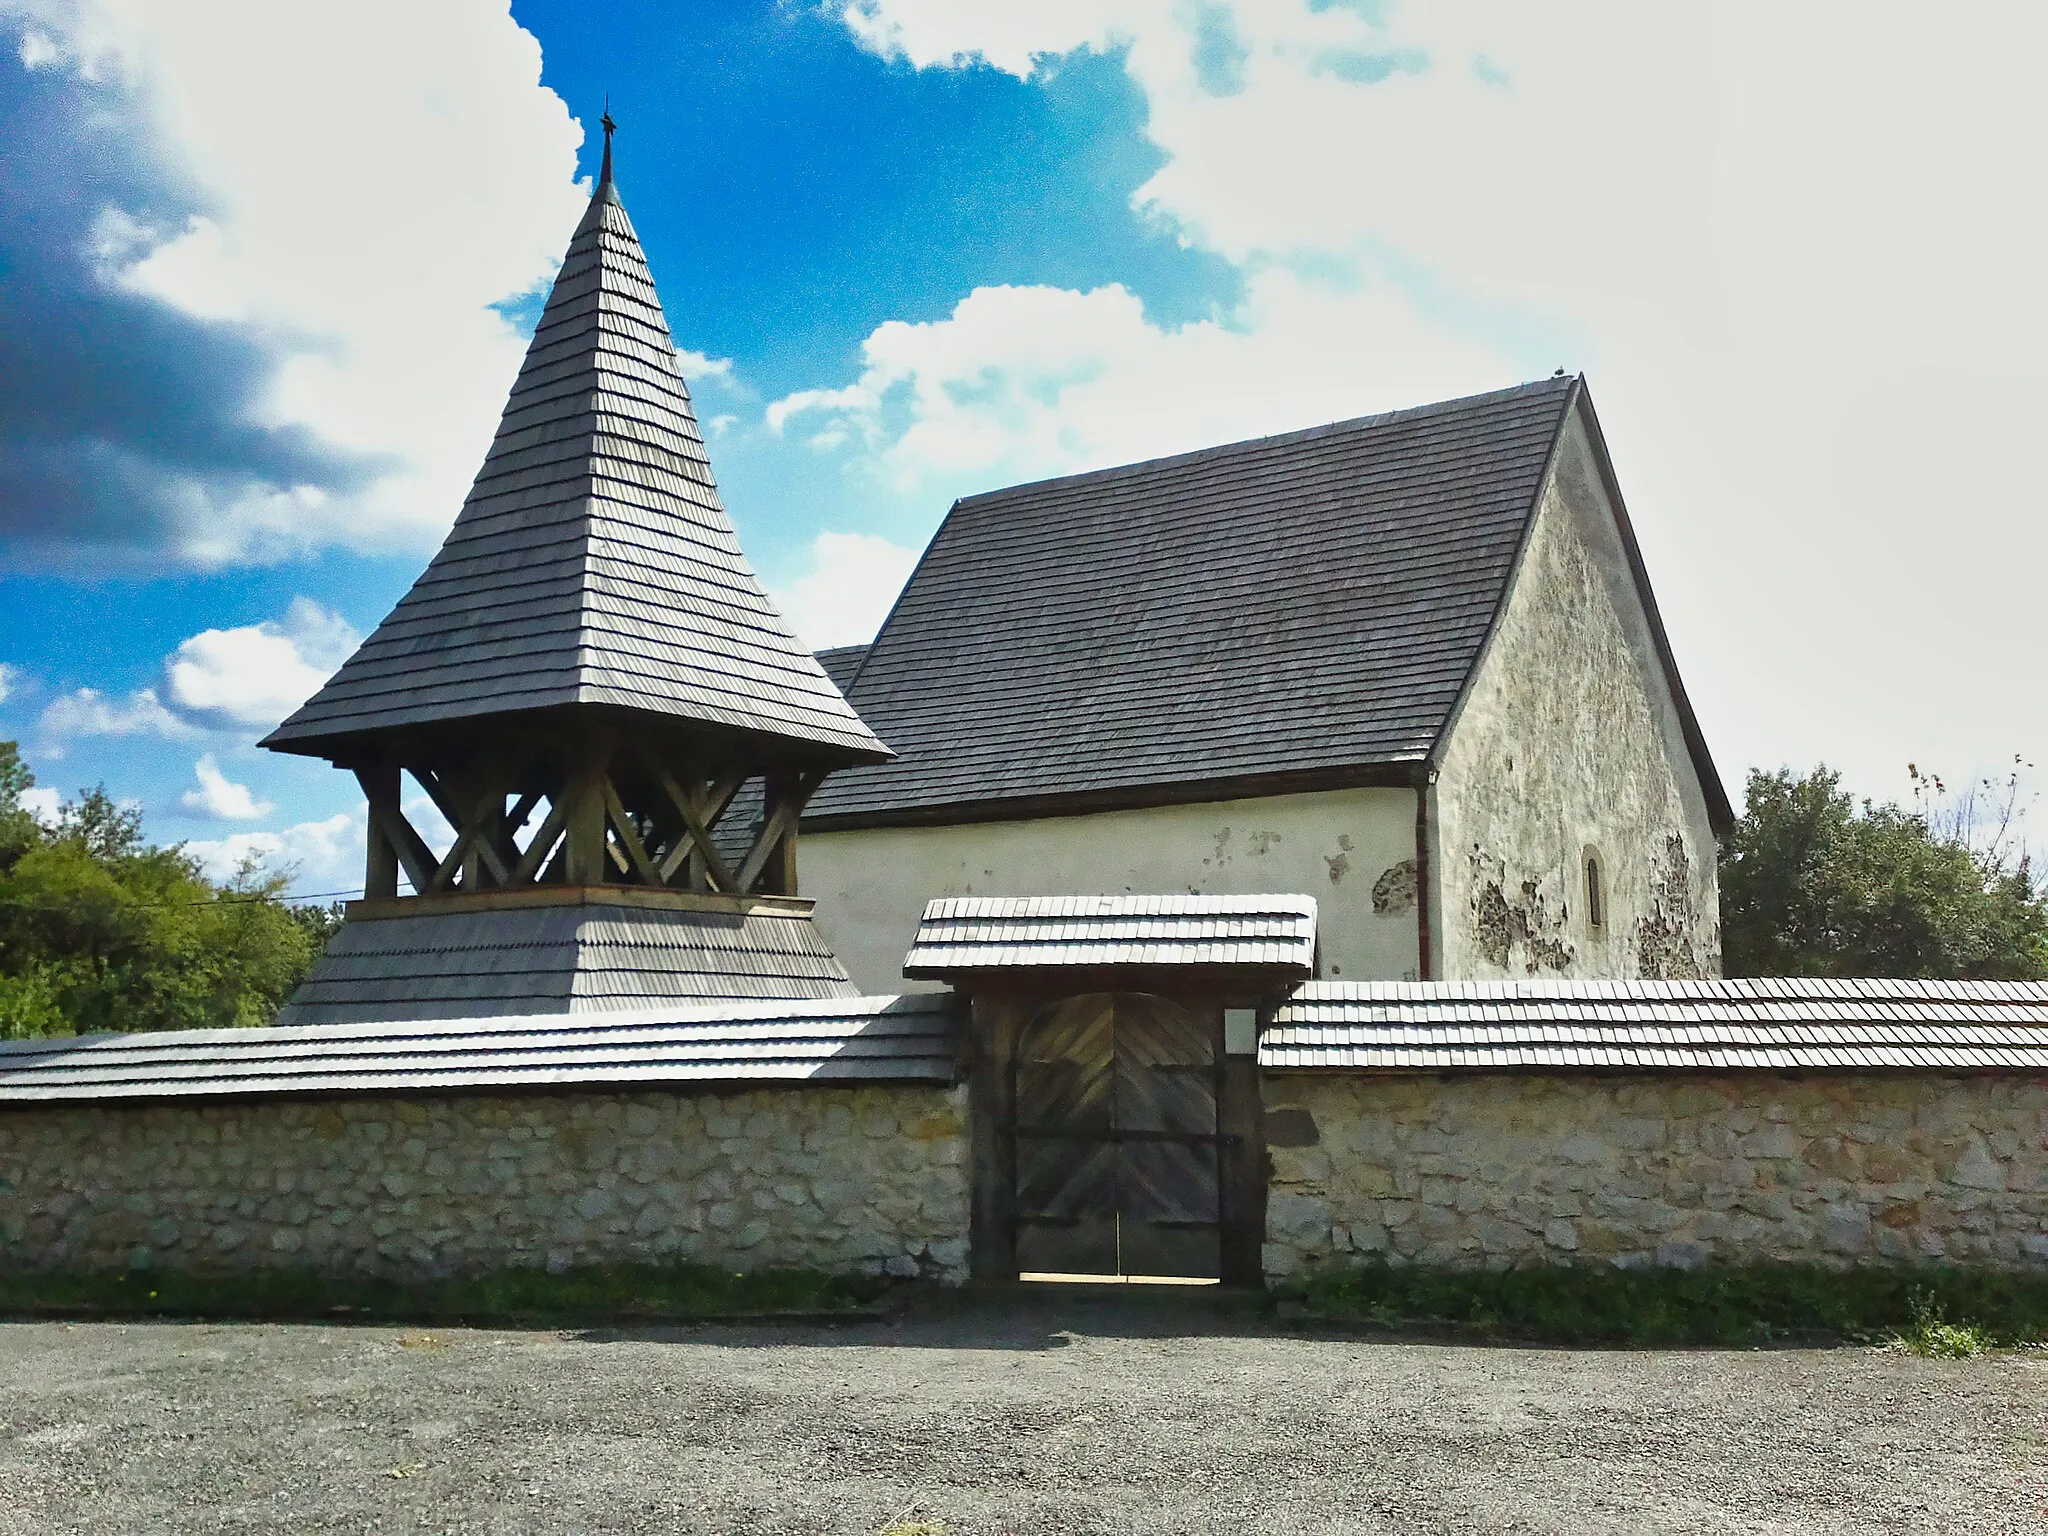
(1933, 1335)
(101, 930)
(1811, 885)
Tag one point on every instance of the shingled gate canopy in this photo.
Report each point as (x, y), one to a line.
(961, 937)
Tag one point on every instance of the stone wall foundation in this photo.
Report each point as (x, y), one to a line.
(1497, 1170)
(837, 1178)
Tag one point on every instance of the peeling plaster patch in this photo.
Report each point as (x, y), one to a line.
(1571, 692)
(1667, 939)
(1501, 926)
(1340, 865)
(1262, 842)
(1394, 892)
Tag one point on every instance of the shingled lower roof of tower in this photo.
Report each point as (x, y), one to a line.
(592, 562)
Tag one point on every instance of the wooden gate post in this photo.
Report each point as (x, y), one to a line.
(1241, 1118)
(991, 1118)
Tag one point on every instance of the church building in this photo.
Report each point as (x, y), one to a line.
(1410, 664)
(1228, 867)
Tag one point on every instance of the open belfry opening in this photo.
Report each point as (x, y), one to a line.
(589, 683)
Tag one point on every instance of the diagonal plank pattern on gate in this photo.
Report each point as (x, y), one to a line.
(1116, 1124)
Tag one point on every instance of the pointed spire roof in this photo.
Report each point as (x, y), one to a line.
(592, 563)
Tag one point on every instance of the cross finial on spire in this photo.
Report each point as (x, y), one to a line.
(604, 175)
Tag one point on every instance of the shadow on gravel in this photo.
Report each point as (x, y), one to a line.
(1030, 1318)
(1021, 1317)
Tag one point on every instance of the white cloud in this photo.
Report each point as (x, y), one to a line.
(378, 176)
(220, 797)
(320, 856)
(88, 712)
(37, 51)
(842, 600)
(220, 679)
(1020, 382)
(1782, 240)
(257, 674)
(43, 803)
(699, 366)
(432, 826)
(1015, 38)
(10, 679)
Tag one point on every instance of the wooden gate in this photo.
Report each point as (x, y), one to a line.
(1118, 1166)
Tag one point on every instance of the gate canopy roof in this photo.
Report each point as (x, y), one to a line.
(593, 563)
(962, 935)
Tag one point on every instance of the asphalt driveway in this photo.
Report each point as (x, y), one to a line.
(1074, 1414)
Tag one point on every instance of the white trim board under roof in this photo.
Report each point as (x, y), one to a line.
(1290, 612)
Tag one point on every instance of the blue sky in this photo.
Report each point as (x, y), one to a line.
(264, 273)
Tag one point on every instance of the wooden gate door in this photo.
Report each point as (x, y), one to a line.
(1116, 1137)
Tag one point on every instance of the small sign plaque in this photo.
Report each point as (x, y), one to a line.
(1240, 1031)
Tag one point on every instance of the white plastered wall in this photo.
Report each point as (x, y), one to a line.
(1352, 849)
(1570, 741)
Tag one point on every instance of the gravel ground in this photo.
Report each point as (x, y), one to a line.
(1069, 1414)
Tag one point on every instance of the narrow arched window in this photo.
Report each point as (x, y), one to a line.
(1596, 895)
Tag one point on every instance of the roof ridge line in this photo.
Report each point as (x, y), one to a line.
(1276, 439)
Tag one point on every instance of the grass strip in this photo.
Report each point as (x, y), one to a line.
(1931, 1309)
(609, 1293)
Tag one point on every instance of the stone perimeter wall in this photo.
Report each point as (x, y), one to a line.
(1499, 1170)
(834, 1178)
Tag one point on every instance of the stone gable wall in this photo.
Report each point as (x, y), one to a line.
(1497, 1170)
(866, 1178)
(1571, 744)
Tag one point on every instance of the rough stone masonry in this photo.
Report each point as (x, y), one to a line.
(1485, 1169)
(838, 1178)
(1501, 1169)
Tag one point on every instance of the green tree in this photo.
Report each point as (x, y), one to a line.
(101, 930)
(17, 827)
(1812, 884)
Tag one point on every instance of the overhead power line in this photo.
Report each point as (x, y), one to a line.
(304, 899)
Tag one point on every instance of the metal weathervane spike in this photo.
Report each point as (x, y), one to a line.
(604, 174)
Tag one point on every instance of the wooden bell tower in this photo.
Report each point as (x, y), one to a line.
(588, 683)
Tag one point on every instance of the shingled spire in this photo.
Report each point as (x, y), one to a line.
(589, 650)
(592, 563)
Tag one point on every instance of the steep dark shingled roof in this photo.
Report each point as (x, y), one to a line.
(1306, 602)
(593, 562)
(841, 662)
